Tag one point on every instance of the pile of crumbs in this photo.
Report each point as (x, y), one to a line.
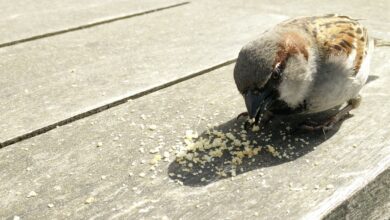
(233, 146)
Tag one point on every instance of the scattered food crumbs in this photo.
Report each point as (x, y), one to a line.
(154, 151)
(255, 128)
(141, 149)
(272, 151)
(155, 159)
(329, 186)
(143, 117)
(142, 174)
(235, 147)
(316, 186)
(16, 217)
(99, 144)
(50, 205)
(31, 194)
(103, 177)
(89, 200)
(131, 174)
(152, 127)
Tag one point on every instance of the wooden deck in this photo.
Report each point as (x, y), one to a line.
(92, 93)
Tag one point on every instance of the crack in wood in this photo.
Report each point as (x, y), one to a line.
(111, 104)
(90, 25)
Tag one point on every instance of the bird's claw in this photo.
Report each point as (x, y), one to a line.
(314, 126)
(242, 114)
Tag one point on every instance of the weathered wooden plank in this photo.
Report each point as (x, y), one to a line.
(49, 80)
(95, 167)
(26, 19)
(371, 202)
(103, 56)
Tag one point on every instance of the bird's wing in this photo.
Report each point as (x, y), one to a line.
(337, 36)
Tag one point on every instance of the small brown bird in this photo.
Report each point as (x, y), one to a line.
(305, 65)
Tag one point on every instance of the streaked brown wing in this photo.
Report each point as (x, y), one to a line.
(336, 36)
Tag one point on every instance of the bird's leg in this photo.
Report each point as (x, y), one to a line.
(328, 124)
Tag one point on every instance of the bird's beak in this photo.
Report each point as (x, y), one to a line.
(257, 103)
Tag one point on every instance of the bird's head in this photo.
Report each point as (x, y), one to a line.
(274, 67)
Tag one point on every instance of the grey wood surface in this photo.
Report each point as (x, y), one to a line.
(69, 169)
(45, 81)
(128, 57)
(100, 167)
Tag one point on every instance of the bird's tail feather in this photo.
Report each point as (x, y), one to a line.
(381, 43)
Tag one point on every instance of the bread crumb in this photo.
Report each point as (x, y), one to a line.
(99, 144)
(155, 159)
(255, 128)
(31, 194)
(216, 153)
(89, 200)
(272, 150)
(237, 143)
(152, 127)
(329, 186)
(154, 151)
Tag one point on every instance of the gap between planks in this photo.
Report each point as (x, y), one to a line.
(90, 25)
(111, 104)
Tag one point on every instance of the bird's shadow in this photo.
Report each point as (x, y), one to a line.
(278, 141)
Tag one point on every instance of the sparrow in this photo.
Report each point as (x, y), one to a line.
(305, 65)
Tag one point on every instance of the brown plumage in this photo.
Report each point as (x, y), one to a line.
(335, 35)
